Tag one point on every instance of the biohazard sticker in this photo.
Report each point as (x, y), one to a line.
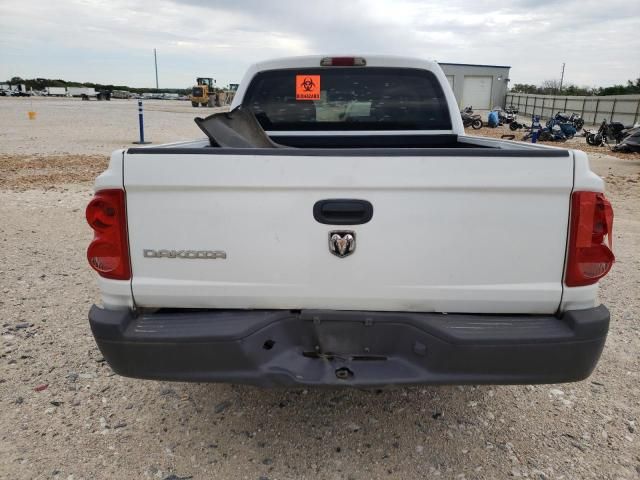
(307, 87)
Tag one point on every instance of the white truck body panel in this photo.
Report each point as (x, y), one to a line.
(447, 233)
(477, 234)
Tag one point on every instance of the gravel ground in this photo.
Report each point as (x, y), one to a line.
(69, 125)
(65, 415)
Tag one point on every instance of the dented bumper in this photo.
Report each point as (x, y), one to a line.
(348, 348)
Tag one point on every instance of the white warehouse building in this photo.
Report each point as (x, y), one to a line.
(480, 86)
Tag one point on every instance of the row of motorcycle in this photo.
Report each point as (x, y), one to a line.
(497, 117)
(561, 127)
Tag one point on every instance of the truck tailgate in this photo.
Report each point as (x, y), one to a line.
(449, 233)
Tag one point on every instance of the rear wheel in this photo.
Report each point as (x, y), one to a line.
(194, 104)
(579, 124)
(594, 139)
(477, 124)
(513, 126)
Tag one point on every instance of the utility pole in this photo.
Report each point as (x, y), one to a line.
(562, 78)
(155, 60)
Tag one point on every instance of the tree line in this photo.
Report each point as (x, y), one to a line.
(552, 87)
(547, 87)
(42, 83)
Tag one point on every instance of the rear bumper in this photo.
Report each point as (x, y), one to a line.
(319, 347)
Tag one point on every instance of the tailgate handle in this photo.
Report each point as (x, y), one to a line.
(342, 211)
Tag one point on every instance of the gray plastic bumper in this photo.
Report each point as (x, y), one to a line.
(349, 348)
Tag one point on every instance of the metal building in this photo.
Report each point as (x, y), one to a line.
(480, 86)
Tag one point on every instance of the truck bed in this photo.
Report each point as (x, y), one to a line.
(378, 145)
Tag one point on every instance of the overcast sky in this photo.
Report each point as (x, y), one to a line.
(112, 41)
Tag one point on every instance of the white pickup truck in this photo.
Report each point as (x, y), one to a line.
(339, 228)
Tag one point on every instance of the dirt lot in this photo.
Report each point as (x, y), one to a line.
(65, 125)
(65, 415)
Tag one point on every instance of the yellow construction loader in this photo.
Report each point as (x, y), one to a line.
(203, 93)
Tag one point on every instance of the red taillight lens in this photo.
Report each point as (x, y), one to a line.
(108, 253)
(590, 239)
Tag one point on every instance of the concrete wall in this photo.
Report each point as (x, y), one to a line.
(594, 109)
(499, 87)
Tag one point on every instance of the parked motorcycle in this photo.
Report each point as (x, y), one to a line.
(566, 127)
(575, 119)
(470, 119)
(554, 134)
(510, 114)
(613, 131)
(550, 133)
(630, 143)
(507, 115)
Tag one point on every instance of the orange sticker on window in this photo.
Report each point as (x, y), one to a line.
(307, 87)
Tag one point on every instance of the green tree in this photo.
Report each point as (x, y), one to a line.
(552, 87)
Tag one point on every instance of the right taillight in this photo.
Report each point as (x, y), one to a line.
(108, 253)
(590, 239)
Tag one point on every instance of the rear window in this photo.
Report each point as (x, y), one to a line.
(348, 98)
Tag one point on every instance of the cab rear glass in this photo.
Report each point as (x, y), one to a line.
(348, 98)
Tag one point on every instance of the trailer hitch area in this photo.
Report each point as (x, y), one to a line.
(323, 356)
(343, 373)
(344, 358)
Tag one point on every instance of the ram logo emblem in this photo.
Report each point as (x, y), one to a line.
(342, 243)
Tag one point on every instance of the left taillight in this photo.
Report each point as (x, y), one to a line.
(108, 253)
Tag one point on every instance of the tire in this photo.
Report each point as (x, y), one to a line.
(477, 124)
(579, 124)
(545, 136)
(594, 139)
(513, 126)
(195, 104)
(204, 104)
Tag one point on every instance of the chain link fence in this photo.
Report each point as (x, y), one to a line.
(594, 109)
